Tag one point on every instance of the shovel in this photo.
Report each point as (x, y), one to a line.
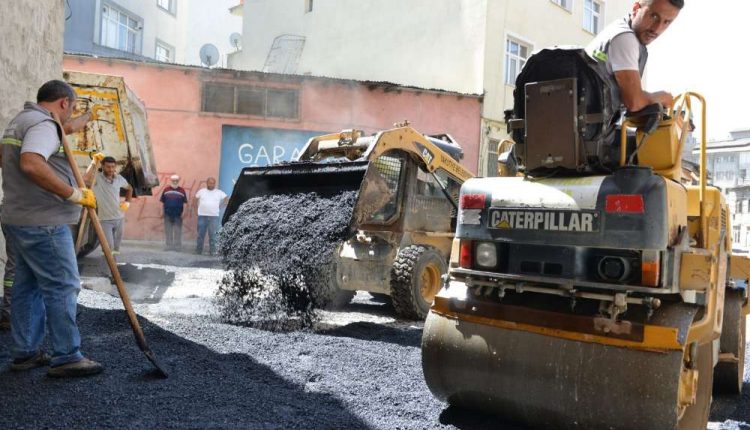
(140, 339)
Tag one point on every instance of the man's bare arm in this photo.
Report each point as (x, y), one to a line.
(128, 194)
(35, 167)
(633, 96)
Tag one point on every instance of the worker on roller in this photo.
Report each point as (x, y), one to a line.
(39, 204)
(622, 47)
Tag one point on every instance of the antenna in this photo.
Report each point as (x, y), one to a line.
(235, 39)
(209, 54)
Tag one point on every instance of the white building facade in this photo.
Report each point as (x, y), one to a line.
(728, 163)
(164, 30)
(466, 46)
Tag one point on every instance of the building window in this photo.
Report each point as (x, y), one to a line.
(167, 5)
(565, 4)
(120, 30)
(516, 54)
(246, 100)
(164, 52)
(308, 6)
(592, 16)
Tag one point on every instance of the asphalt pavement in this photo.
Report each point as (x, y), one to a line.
(359, 368)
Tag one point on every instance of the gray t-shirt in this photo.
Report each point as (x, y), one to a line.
(108, 196)
(24, 202)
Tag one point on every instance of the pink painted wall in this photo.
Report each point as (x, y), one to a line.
(187, 141)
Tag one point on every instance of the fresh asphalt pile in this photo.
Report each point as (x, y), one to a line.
(278, 251)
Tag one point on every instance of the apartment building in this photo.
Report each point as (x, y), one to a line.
(164, 30)
(466, 46)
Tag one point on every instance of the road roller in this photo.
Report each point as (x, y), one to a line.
(593, 287)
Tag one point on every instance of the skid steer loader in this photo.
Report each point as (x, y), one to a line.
(596, 291)
(402, 224)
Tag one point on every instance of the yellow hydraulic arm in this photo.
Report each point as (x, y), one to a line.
(412, 142)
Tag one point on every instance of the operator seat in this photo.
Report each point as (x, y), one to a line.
(562, 120)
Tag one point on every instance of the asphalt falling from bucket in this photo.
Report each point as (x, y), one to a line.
(278, 251)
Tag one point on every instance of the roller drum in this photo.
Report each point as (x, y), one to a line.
(549, 382)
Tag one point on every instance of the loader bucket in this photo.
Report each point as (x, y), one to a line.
(292, 178)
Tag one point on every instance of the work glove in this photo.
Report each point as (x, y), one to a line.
(98, 157)
(84, 197)
(124, 206)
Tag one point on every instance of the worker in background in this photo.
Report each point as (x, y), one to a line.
(209, 201)
(174, 200)
(38, 206)
(73, 125)
(622, 46)
(111, 211)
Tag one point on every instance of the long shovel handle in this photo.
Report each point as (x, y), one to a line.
(134, 324)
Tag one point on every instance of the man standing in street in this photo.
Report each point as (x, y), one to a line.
(107, 186)
(622, 47)
(209, 201)
(39, 205)
(174, 199)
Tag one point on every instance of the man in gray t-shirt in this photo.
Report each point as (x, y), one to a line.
(111, 211)
(622, 46)
(40, 200)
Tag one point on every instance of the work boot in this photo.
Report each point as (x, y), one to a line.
(37, 360)
(82, 367)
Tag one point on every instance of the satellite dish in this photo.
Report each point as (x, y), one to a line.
(235, 39)
(209, 54)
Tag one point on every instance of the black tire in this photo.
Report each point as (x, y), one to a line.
(337, 297)
(413, 276)
(728, 376)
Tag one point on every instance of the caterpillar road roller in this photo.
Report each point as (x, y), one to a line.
(402, 227)
(595, 290)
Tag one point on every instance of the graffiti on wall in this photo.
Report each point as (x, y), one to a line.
(255, 146)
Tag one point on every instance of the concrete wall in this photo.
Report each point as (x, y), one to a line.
(193, 24)
(30, 51)
(425, 43)
(188, 142)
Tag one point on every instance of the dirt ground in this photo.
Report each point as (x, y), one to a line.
(359, 368)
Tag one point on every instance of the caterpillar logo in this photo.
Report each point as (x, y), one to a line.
(426, 154)
(573, 221)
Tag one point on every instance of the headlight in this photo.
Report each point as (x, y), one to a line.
(486, 255)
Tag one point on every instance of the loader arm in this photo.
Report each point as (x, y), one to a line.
(429, 155)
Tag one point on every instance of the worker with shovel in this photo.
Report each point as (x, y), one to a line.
(39, 204)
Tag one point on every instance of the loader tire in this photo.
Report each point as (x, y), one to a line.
(415, 279)
(340, 299)
(729, 376)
